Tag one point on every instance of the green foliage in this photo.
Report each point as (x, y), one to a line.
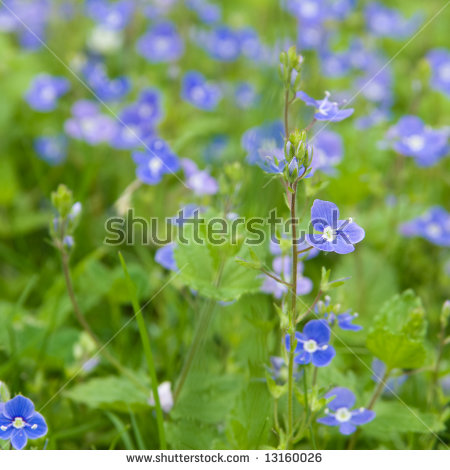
(397, 335)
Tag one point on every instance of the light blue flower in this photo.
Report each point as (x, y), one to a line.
(439, 60)
(165, 257)
(161, 43)
(45, 90)
(51, 149)
(326, 110)
(199, 92)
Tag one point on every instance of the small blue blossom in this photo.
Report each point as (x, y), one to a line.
(89, 124)
(222, 43)
(19, 422)
(434, 226)
(308, 11)
(341, 414)
(439, 60)
(114, 16)
(376, 86)
(245, 95)
(216, 147)
(389, 23)
(269, 136)
(200, 181)
(312, 36)
(327, 152)
(250, 44)
(279, 371)
(51, 149)
(161, 43)
(105, 88)
(199, 92)
(155, 161)
(334, 64)
(313, 344)
(282, 266)
(344, 320)
(166, 258)
(45, 90)
(326, 110)
(331, 233)
(206, 11)
(392, 383)
(410, 137)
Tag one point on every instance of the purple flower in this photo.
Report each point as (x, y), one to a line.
(200, 181)
(313, 344)
(410, 137)
(45, 90)
(327, 151)
(326, 110)
(222, 43)
(199, 92)
(114, 16)
(250, 44)
(105, 88)
(88, 124)
(245, 95)
(311, 36)
(342, 415)
(308, 11)
(283, 268)
(433, 225)
(264, 139)
(332, 234)
(340, 9)
(376, 86)
(166, 258)
(393, 383)
(161, 43)
(20, 422)
(334, 64)
(439, 60)
(156, 161)
(374, 118)
(51, 149)
(389, 23)
(207, 12)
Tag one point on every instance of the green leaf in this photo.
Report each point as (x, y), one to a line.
(111, 392)
(397, 337)
(211, 268)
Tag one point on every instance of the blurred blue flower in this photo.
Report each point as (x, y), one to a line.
(245, 95)
(343, 416)
(215, 148)
(279, 370)
(105, 88)
(166, 258)
(375, 117)
(326, 110)
(393, 383)
(388, 22)
(340, 9)
(312, 36)
(155, 161)
(20, 422)
(313, 344)
(250, 44)
(206, 11)
(200, 181)
(222, 43)
(199, 92)
(45, 90)
(434, 226)
(282, 266)
(327, 151)
(51, 149)
(115, 15)
(308, 11)
(161, 43)
(410, 137)
(344, 320)
(334, 64)
(439, 60)
(376, 86)
(89, 124)
(332, 234)
(268, 136)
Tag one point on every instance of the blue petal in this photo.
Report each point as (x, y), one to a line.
(329, 421)
(347, 428)
(300, 337)
(318, 242)
(362, 416)
(352, 231)
(303, 358)
(19, 407)
(307, 99)
(345, 322)
(343, 398)
(318, 330)
(322, 358)
(39, 421)
(5, 422)
(342, 245)
(324, 212)
(19, 439)
(339, 115)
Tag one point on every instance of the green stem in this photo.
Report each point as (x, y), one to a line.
(145, 339)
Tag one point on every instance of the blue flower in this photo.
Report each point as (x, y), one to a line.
(279, 370)
(433, 225)
(199, 92)
(250, 44)
(161, 43)
(389, 23)
(342, 415)
(312, 36)
(326, 110)
(20, 422)
(114, 16)
(439, 60)
(410, 137)
(245, 95)
(156, 161)
(166, 258)
(52, 149)
(309, 11)
(313, 344)
(376, 86)
(281, 265)
(200, 181)
(207, 12)
(392, 383)
(44, 92)
(331, 233)
(344, 320)
(334, 64)
(105, 88)
(222, 43)
(269, 136)
(327, 151)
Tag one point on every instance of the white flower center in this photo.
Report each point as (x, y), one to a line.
(310, 346)
(48, 93)
(198, 93)
(328, 234)
(161, 44)
(415, 142)
(309, 9)
(18, 423)
(444, 73)
(3, 428)
(434, 230)
(343, 415)
(155, 165)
